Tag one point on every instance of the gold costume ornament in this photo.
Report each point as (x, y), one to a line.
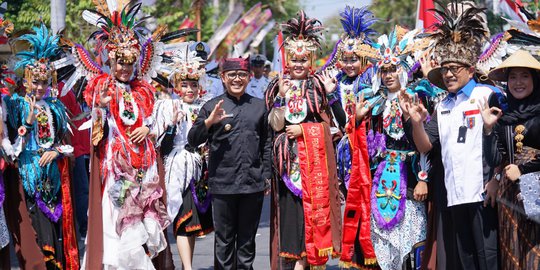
(519, 137)
(303, 37)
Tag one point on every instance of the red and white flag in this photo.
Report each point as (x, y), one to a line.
(278, 61)
(511, 9)
(424, 17)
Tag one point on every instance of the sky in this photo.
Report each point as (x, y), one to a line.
(323, 9)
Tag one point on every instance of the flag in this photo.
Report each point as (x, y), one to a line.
(425, 18)
(278, 61)
(226, 27)
(262, 33)
(511, 9)
(255, 29)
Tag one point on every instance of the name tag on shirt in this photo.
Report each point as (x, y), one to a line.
(445, 112)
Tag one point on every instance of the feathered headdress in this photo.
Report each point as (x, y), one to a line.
(356, 24)
(459, 33)
(302, 35)
(521, 36)
(123, 37)
(120, 32)
(37, 61)
(185, 66)
(355, 40)
(393, 52)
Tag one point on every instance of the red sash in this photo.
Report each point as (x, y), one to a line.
(357, 207)
(71, 252)
(315, 193)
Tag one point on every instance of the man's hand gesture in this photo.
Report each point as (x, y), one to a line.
(216, 116)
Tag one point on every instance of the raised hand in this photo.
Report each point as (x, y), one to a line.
(284, 84)
(362, 107)
(490, 115)
(216, 116)
(417, 112)
(104, 97)
(31, 113)
(405, 101)
(328, 81)
(178, 115)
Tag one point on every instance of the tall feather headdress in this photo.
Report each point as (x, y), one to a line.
(37, 62)
(459, 33)
(393, 51)
(120, 31)
(303, 35)
(121, 35)
(356, 39)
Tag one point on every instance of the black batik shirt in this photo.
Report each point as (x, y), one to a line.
(240, 146)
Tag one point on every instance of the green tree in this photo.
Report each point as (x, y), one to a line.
(173, 12)
(392, 12)
(27, 13)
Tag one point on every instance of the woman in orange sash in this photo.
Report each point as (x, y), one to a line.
(306, 211)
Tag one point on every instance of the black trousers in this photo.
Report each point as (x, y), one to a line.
(476, 234)
(236, 219)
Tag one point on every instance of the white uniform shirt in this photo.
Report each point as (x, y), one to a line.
(213, 87)
(257, 87)
(462, 161)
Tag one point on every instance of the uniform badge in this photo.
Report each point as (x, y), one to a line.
(471, 121)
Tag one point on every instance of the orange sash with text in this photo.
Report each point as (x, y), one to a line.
(315, 193)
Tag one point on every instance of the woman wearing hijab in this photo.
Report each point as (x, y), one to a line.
(512, 129)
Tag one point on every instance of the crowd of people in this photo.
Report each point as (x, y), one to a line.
(416, 149)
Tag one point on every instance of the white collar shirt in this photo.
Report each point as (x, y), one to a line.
(459, 116)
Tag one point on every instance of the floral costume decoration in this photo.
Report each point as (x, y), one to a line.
(298, 176)
(47, 187)
(185, 165)
(355, 42)
(126, 209)
(352, 161)
(397, 221)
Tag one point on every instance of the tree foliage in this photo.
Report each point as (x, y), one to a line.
(394, 12)
(27, 13)
(173, 12)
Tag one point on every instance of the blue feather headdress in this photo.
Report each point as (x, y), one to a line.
(356, 39)
(356, 24)
(37, 61)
